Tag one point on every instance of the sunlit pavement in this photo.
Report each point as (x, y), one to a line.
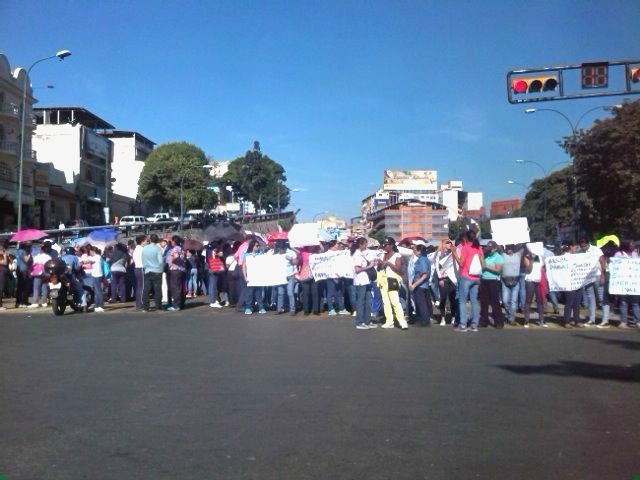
(211, 393)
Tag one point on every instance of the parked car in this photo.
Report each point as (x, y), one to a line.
(133, 221)
(162, 217)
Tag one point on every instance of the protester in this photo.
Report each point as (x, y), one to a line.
(470, 262)
(592, 292)
(24, 262)
(626, 301)
(419, 278)
(252, 294)
(141, 241)
(362, 284)
(510, 280)
(608, 250)
(446, 276)
(153, 265)
(118, 264)
(572, 298)
(532, 265)
(335, 288)
(97, 271)
(215, 269)
(4, 274)
(176, 272)
(389, 279)
(192, 273)
(291, 258)
(40, 287)
(490, 286)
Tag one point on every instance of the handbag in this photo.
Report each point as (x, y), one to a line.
(304, 273)
(392, 284)
(475, 268)
(371, 273)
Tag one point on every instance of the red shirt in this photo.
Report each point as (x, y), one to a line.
(467, 251)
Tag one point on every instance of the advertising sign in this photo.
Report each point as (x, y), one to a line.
(410, 180)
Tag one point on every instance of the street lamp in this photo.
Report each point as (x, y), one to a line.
(61, 54)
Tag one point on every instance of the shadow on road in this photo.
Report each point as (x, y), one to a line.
(618, 373)
(628, 344)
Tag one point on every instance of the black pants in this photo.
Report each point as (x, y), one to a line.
(422, 299)
(175, 281)
(310, 296)
(4, 272)
(532, 290)
(139, 273)
(153, 281)
(490, 295)
(23, 288)
(572, 306)
(447, 292)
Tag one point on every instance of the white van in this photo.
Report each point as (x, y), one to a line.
(132, 221)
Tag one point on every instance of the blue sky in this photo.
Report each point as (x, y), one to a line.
(335, 91)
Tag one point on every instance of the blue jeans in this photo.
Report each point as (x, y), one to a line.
(522, 293)
(290, 286)
(468, 289)
(625, 300)
(254, 294)
(363, 304)
(40, 290)
(212, 287)
(591, 293)
(97, 291)
(192, 281)
(335, 291)
(510, 300)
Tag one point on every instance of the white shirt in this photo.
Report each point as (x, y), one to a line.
(137, 256)
(96, 266)
(360, 260)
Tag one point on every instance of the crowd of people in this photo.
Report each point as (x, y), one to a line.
(391, 284)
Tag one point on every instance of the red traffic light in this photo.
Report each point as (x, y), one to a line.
(634, 74)
(519, 86)
(534, 84)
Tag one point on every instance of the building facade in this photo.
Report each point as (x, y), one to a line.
(411, 218)
(504, 207)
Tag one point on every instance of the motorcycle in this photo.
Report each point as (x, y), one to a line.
(61, 292)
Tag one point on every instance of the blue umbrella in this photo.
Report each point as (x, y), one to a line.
(103, 235)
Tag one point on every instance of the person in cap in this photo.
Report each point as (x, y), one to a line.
(419, 275)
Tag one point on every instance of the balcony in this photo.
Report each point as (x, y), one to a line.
(11, 110)
(10, 148)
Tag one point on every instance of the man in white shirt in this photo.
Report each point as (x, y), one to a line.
(141, 241)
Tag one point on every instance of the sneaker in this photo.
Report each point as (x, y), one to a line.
(543, 325)
(372, 325)
(443, 323)
(526, 325)
(473, 329)
(98, 309)
(623, 325)
(343, 312)
(362, 326)
(603, 325)
(436, 303)
(262, 311)
(170, 309)
(579, 325)
(590, 323)
(33, 305)
(460, 329)
(332, 313)
(386, 325)
(215, 305)
(248, 311)
(354, 314)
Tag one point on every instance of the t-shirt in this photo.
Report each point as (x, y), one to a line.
(536, 273)
(492, 260)
(137, 256)
(467, 252)
(359, 260)
(96, 266)
(152, 260)
(511, 265)
(390, 273)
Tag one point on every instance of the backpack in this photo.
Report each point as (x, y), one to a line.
(106, 270)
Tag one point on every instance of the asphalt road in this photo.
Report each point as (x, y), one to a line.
(204, 394)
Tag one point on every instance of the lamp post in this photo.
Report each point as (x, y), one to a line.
(61, 54)
(574, 134)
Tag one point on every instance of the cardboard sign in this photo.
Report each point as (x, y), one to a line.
(508, 231)
(332, 264)
(571, 272)
(307, 235)
(266, 270)
(624, 276)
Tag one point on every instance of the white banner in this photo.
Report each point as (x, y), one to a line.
(536, 248)
(624, 276)
(307, 235)
(571, 272)
(508, 231)
(331, 264)
(266, 270)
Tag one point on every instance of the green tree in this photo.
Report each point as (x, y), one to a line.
(168, 167)
(258, 179)
(607, 164)
(559, 190)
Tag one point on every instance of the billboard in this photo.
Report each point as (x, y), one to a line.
(410, 180)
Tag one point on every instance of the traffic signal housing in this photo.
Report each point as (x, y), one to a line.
(533, 86)
(634, 74)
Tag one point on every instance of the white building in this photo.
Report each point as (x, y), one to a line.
(130, 150)
(66, 137)
(452, 196)
(219, 168)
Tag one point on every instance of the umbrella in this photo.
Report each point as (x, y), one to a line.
(223, 231)
(606, 239)
(28, 235)
(278, 235)
(307, 235)
(255, 236)
(103, 235)
(191, 244)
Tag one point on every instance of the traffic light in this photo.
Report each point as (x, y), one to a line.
(634, 74)
(595, 75)
(534, 84)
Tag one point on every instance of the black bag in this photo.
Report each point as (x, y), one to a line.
(393, 285)
(510, 281)
(372, 274)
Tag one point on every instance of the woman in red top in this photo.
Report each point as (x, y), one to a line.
(470, 259)
(215, 269)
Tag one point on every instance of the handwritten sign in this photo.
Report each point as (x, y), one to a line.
(571, 272)
(266, 270)
(508, 231)
(331, 264)
(624, 276)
